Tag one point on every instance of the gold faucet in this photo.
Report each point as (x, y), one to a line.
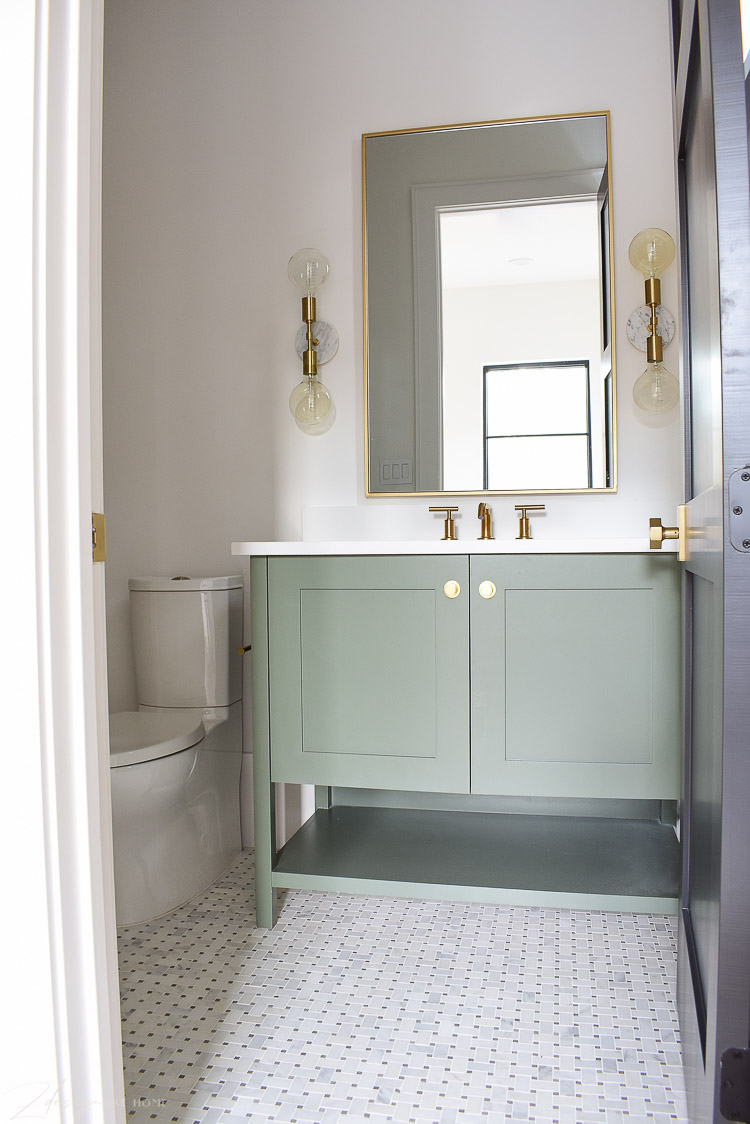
(485, 515)
(450, 526)
(524, 530)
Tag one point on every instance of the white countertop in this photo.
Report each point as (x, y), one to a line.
(454, 546)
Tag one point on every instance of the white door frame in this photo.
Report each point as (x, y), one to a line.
(63, 1053)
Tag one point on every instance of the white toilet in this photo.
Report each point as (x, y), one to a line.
(175, 762)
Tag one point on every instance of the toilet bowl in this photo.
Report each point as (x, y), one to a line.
(175, 762)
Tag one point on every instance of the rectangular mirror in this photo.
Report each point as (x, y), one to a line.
(488, 293)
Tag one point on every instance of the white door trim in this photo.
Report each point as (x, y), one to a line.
(63, 1054)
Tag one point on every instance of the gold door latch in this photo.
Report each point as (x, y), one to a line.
(657, 534)
(98, 537)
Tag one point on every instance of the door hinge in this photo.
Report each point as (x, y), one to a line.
(734, 1094)
(739, 509)
(98, 537)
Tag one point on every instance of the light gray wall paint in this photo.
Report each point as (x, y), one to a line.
(231, 139)
(187, 451)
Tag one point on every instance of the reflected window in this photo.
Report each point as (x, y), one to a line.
(537, 426)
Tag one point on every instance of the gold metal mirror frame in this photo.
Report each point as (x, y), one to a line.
(612, 488)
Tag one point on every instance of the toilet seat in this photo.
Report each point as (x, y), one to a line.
(136, 736)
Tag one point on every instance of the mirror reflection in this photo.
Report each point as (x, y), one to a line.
(488, 308)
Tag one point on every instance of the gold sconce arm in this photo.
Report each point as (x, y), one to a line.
(654, 348)
(310, 356)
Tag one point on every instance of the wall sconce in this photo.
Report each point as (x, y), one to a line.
(651, 326)
(310, 402)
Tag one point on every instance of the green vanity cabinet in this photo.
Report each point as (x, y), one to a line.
(368, 680)
(575, 676)
(562, 682)
(487, 727)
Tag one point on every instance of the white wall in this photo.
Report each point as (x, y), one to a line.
(231, 139)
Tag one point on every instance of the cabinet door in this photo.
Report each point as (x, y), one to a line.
(368, 675)
(575, 676)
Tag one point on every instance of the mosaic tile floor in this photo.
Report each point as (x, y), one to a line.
(372, 1009)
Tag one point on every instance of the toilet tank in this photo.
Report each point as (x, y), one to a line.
(186, 632)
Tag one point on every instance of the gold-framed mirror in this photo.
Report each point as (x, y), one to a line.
(489, 308)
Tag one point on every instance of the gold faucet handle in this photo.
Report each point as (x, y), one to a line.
(450, 526)
(524, 528)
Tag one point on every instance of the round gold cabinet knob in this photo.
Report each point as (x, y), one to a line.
(487, 589)
(451, 589)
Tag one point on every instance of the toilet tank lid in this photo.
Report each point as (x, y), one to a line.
(180, 584)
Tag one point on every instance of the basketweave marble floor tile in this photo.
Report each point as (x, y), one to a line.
(405, 1011)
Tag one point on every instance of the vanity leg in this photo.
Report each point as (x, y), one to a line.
(668, 812)
(264, 792)
(266, 898)
(322, 797)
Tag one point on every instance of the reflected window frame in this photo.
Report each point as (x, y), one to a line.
(563, 364)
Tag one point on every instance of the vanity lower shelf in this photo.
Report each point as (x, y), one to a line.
(554, 861)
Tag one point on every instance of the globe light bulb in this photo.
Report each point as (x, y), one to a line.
(312, 406)
(656, 390)
(307, 270)
(651, 251)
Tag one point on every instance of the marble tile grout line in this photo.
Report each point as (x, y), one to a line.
(380, 1009)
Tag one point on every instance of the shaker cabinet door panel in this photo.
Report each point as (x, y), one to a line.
(369, 672)
(574, 676)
